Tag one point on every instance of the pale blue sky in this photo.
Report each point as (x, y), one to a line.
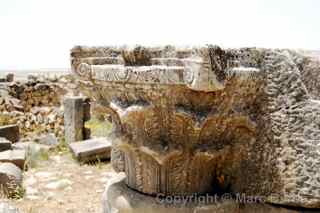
(39, 33)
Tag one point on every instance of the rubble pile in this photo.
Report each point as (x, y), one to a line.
(35, 105)
(36, 93)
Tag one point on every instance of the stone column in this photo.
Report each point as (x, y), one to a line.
(76, 113)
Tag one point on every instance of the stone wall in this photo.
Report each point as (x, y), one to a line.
(36, 94)
(35, 105)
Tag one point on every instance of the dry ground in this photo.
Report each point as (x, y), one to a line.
(62, 185)
(57, 183)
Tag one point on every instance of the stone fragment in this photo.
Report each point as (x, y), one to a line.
(59, 184)
(10, 179)
(5, 144)
(93, 149)
(16, 157)
(10, 132)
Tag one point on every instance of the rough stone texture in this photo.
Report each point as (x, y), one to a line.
(5, 144)
(119, 198)
(93, 149)
(198, 120)
(10, 132)
(76, 112)
(309, 69)
(10, 178)
(16, 157)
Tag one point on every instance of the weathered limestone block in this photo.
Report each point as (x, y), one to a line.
(76, 112)
(10, 132)
(17, 157)
(5, 144)
(93, 149)
(206, 120)
(10, 179)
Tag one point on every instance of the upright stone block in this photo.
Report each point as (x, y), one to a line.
(76, 110)
(10, 132)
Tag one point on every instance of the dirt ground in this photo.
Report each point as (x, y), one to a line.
(62, 185)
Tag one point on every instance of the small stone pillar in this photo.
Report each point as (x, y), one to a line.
(76, 113)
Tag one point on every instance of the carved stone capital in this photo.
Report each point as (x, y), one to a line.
(208, 120)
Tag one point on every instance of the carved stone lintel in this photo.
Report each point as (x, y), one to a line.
(194, 75)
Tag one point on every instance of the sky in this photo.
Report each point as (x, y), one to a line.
(40, 33)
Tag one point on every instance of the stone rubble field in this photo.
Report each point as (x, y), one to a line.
(35, 104)
(47, 177)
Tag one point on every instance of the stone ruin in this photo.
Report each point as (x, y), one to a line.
(34, 105)
(209, 120)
